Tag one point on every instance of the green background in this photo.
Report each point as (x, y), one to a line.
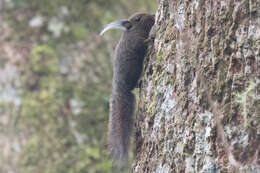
(64, 72)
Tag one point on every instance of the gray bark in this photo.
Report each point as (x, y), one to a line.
(199, 107)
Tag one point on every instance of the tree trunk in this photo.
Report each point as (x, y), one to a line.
(199, 107)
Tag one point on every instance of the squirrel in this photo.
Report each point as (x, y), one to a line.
(127, 69)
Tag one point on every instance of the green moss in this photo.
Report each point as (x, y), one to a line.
(244, 99)
(44, 60)
(151, 108)
(31, 148)
(46, 110)
(50, 7)
(79, 31)
(160, 56)
(170, 33)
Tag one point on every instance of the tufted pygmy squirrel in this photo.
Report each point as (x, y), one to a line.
(127, 68)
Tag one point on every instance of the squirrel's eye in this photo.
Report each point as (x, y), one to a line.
(138, 18)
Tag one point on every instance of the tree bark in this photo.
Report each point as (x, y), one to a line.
(199, 107)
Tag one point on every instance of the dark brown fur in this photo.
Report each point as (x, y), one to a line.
(128, 65)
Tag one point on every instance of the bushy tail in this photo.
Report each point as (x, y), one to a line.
(122, 107)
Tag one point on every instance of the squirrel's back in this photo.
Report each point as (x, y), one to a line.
(127, 69)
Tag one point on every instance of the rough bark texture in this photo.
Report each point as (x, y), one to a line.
(199, 108)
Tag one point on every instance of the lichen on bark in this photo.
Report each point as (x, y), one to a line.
(199, 98)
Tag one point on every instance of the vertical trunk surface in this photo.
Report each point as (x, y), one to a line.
(199, 108)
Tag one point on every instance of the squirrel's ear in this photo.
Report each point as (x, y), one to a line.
(122, 24)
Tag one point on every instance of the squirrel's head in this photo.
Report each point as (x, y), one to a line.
(139, 22)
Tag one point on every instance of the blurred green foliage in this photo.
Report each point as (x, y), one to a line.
(66, 80)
